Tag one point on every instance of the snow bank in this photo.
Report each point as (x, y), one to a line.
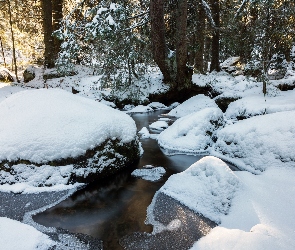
(258, 105)
(259, 142)
(16, 235)
(48, 124)
(262, 214)
(149, 173)
(6, 90)
(192, 133)
(207, 187)
(194, 104)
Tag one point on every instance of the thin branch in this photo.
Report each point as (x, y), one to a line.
(138, 15)
(241, 8)
(208, 13)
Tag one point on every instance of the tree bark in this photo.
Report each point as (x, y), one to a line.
(2, 50)
(47, 29)
(13, 43)
(182, 76)
(199, 55)
(57, 16)
(158, 37)
(215, 38)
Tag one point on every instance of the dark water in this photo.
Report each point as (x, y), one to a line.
(111, 210)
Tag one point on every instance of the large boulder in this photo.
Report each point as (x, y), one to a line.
(5, 75)
(56, 128)
(233, 65)
(193, 133)
(29, 74)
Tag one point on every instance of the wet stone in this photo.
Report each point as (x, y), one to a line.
(191, 227)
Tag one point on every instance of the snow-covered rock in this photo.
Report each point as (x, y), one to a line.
(207, 187)
(159, 125)
(140, 109)
(194, 104)
(259, 142)
(193, 133)
(144, 132)
(258, 104)
(16, 235)
(157, 105)
(261, 215)
(52, 125)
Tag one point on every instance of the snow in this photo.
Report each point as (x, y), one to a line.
(140, 109)
(7, 89)
(229, 62)
(144, 133)
(258, 105)
(192, 133)
(158, 125)
(194, 104)
(262, 214)
(110, 20)
(259, 142)
(149, 173)
(48, 124)
(157, 105)
(207, 187)
(16, 235)
(33, 179)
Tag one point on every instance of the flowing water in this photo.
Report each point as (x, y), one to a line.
(111, 210)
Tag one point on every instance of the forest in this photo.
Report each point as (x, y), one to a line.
(118, 40)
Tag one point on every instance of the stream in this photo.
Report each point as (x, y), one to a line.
(116, 208)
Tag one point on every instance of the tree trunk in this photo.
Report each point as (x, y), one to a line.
(57, 17)
(2, 50)
(158, 37)
(199, 55)
(215, 38)
(13, 43)
(182, 76)
(47, 29)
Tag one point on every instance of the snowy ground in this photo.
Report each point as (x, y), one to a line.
(255, 207)
(16, 235)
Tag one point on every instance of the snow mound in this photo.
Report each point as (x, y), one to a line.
(193, 133)
(257, 105)
(194, 104)
(144, 133)
(140, 109)
(262, 214)
(16, 235)
(159, 125)
(259, 142)
(149, 173)
(207, 187)
(157, 105)
(48, 124)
